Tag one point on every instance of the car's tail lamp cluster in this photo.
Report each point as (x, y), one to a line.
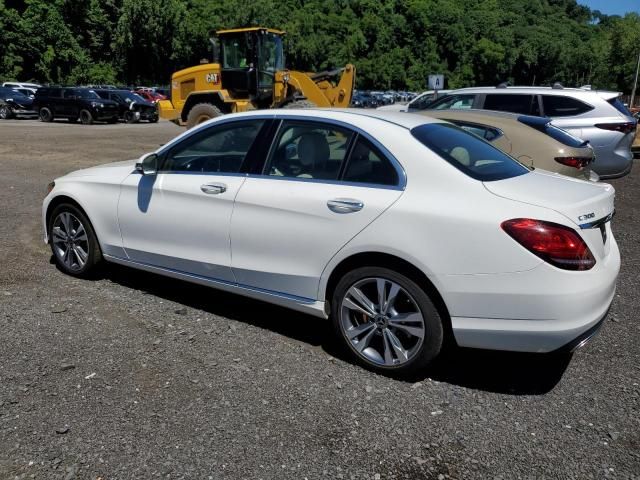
(622, 127)
(556, 244)
(575, 162)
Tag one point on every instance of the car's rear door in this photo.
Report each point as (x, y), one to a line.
(322, 184)
(179, 218)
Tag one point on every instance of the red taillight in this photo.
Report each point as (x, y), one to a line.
(622, 127)
(556, 244)
(575, 162)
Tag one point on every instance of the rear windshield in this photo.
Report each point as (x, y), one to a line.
(543, 124)
(620, 106)
(468, 153)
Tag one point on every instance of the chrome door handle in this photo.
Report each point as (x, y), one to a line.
(345, 205)
(213, 188)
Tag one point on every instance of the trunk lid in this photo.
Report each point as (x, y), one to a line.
(588, 205)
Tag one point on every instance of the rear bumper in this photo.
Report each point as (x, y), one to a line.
(612, 163)
(541, 310)
(622, 173)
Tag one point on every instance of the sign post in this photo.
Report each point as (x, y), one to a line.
(435, 83)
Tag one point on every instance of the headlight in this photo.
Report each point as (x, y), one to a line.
(50, 187)
(97, 104)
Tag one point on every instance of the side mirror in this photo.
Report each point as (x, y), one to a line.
(148, 165)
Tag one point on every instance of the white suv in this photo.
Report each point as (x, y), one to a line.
(596, 116)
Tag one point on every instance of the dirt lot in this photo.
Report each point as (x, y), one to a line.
(135, 376)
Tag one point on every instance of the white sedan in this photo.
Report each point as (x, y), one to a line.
(400, 228)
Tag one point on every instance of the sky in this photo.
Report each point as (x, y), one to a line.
(613, 7)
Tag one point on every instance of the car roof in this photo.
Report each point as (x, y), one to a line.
(347, 115)
(478, 115)
(606, 94)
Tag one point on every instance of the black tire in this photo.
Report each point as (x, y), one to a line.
(74, 267)
(5, 112)
(300, 104)
(85, 117)
(130, 117)
(153, 120)
(201, 113)
(45, 115)
(422, 353)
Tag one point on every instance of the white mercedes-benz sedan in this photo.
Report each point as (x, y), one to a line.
(401, 229)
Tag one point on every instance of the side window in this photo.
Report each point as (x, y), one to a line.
(453, 102)
(557, 106)
(514, 103)
(104, 95)
(309, 150)
(420, 103)
(367, 165)
(219, 149)
(69, 93)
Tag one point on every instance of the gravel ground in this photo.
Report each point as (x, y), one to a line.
(135, 376)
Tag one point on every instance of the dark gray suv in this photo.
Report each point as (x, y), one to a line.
(598, 117)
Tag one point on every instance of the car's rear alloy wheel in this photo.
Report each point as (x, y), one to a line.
(85, 117)
(386, 320)
(46, 115)
(73, 241)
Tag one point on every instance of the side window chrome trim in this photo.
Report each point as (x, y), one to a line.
(402, 175)
(326, 182)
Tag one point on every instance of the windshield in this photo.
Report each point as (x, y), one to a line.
(469, 154)
(271, 57)
(131, 96)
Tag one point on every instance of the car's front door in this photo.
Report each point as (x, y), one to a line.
(179, 218)
(321, 186)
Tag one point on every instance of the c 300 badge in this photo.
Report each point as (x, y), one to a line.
(586, 216)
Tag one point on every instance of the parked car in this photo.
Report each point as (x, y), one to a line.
(14, 104)
(131, 106)
(596, 116)
(635, 147)
(74, 103)
(150, 95)
(533, 141)
(418, 103)
(370, 218)
(16, 85)
(364, 100)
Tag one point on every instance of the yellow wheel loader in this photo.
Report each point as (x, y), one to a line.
(248, 73)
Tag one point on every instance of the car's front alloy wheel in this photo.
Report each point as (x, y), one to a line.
(85, 117)
(73, 241)
(5, 112)
(388, 322)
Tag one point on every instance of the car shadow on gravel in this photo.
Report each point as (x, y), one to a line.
(493, 371)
